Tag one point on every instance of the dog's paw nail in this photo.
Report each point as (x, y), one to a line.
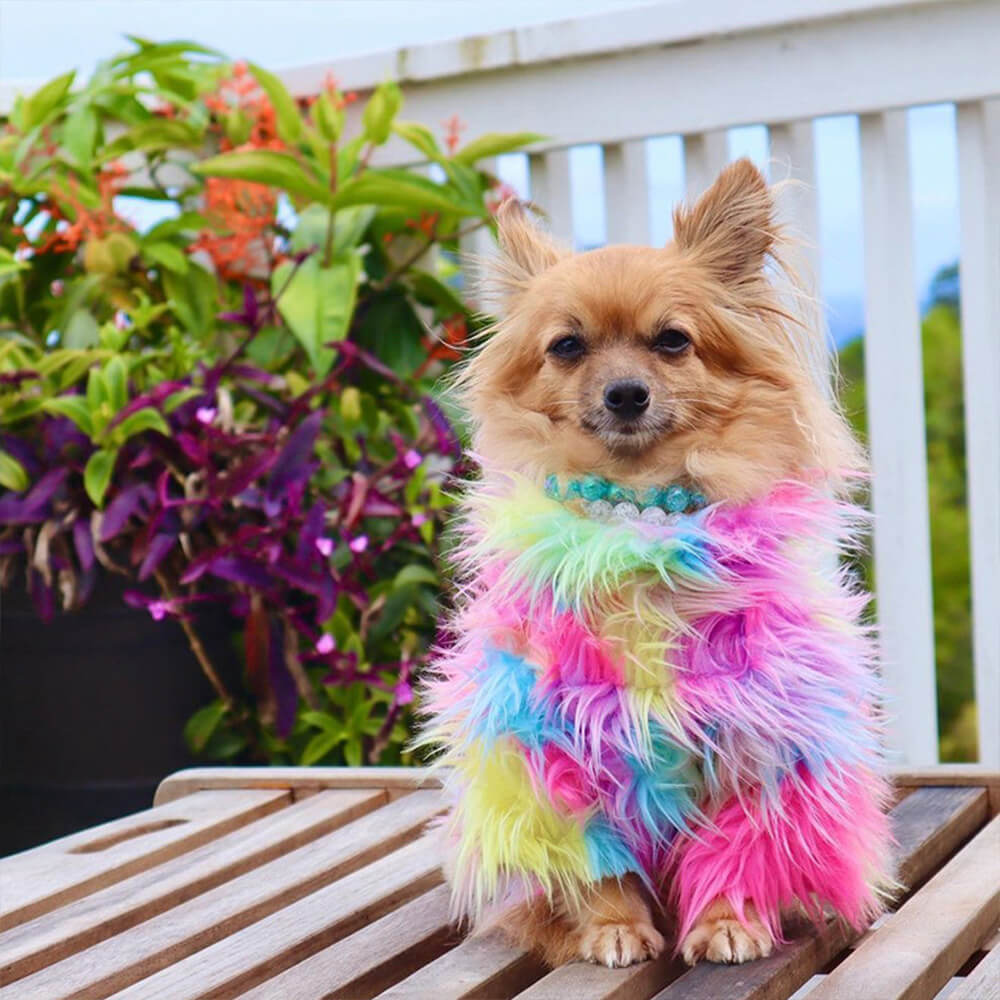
(726, 941)
(619, 945)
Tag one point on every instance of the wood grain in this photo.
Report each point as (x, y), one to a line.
(928, 825)
(170, 937)
(37, 881)
(229, 967)
(46, 939)
(582, 981)
(916, 953)
(370, 960)
(300, 781)
(983, 983)
(485, 966)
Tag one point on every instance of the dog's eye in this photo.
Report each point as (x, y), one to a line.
(569, 347)
(671, 341)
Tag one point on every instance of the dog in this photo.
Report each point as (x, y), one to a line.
(656, 701)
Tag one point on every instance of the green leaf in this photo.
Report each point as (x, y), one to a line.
(348, 229)
(380, 110)
(179, 398)
(186, 222)
(115, 377)
(192, 297)
(420, 137)
(202, 724)
(415, 573)
(431, 292)
(322, 720)
(352, 753)
(495, 144)
(318, 747)
(13, 475)
(264, 166)
(286, 113)
(80, 136)
(74, 407)
(44, 101)
(162, 133)
(81, 331)
(146, 419)
(9, 264)
(166, 255)
(391, 188)
(97, 474)
(329, 119)
(317, 303)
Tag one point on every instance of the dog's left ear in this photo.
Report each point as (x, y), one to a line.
(525, 250)
(731, 229)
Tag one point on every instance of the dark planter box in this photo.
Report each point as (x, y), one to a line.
(92, 711)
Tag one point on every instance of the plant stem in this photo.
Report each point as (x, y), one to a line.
(295, 668)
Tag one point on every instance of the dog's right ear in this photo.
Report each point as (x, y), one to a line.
(524, 250)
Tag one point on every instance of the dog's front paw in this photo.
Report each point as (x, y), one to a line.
(618, 945)
(722, 938)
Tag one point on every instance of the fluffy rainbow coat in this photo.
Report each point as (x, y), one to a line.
(693, 702)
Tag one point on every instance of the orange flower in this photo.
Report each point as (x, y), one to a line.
(82, 223)
(453, 128)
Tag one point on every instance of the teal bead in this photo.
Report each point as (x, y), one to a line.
(620, 494)
(594, 488)
(651, 497)
(699, 500)
(573, 490)
(676, 499)
(552, 487)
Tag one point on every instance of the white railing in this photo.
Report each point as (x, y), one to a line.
(695, 68)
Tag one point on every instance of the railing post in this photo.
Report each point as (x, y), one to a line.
(626, 192)
(476, 249)
(894, 390)
(705, 154)
(551, 192)
(979, 276)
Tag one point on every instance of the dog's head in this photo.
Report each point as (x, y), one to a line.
(651, 365)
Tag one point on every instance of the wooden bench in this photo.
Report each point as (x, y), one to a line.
(301, 883)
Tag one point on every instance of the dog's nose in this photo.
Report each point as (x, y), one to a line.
(626, 398)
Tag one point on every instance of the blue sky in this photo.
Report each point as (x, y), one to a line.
(281, 33)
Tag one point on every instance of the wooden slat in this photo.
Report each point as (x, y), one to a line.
(229, 967)
(370, 960)
(979, 264)
(705, 154)
(551, 191)
(300, 781)
(928, 826)
(46, 939)
(895, 399)
(37, 881)
(983, 983)
(583, 981)
(171, 936)
(626, 192)
(480, 967)
(927, 941)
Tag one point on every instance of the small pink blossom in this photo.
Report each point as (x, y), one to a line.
(57, 287)
(359, 544)
(159, 609)
(404, 693)
(419, 518)
(122, 320)
(412, 458)
(325, 644)
(205, 414)
(325, 546)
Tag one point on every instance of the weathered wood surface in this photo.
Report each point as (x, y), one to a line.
(325, 883)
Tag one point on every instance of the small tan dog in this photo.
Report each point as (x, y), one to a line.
(674, 375)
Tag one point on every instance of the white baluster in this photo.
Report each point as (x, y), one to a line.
(551, 192)
(478, 247)
(894, 374)
(979, 273)
(705, 154)
(626, 192)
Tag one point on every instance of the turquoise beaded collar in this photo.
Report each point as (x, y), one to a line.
(602, 498)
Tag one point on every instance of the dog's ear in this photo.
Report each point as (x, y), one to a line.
(731, 228)
(524, 249)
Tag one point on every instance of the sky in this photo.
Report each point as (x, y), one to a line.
(285, 33)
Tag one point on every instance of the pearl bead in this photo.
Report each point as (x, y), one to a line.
(654, 515)
(626, 510)
(599, 510)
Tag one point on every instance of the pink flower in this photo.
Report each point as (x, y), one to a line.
(205, 414)
(412, 458)
(325, 546)
(325, 644)
(359, 544)
(419, 518)
(159, 609)
(57, 287)
(404, 693)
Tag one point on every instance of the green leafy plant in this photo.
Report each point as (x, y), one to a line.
(221, 324)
